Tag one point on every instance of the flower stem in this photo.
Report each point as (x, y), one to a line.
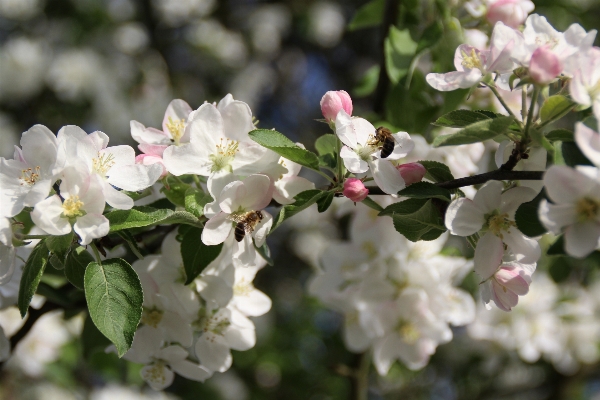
(534, 98)
(362, 376)
(501, 100)
(96, 253)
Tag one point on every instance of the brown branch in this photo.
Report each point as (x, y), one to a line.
(390, 14)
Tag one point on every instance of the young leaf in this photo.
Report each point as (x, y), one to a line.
(32, 273)
(326, 144)
(195, 200)
(75, 265)
(560, 135)
(461, 118)
(399, 52)
(324, 202)
(526, 217)
(138, 217)
(175, 191)
(59, 245)
(369, 202)
(283, 146)
(303, 201)
(130, 240)
(436, 171)
(554, 107)
(476, 132)
(425, 190)
(431, 36)
(195, 254)
(370, 14)
(416, 219)
(114, 296)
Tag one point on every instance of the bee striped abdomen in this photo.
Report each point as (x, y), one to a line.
(240, 231)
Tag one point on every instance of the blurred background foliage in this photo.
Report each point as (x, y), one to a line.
(101, 63)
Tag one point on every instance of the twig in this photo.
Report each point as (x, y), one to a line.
(390, 14)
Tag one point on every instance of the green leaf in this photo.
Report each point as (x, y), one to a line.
(283, 146)
(436, 171)
(416, 219)
(560, 135)
(526, 217)
(572, 155)
(328, 160)
(303, 200)
(138, 217)
(175, 190)
(114, 296)
(400, 50)
(32, 273)
(461, 118)
(554, 107)
(425, 190)
(75, 265)
(431, 36)
(195, 254)
(367, 83)
(477, 132)
(326, 144)
(131, 242)
(558, 247)
(265, 253)
(369, 202)
(369, 15)
(195, 200)
(60, 245)
(324, 202)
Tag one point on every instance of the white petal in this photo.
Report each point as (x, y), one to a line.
(176, 328)
(526, 249)
(216, 229)
(566, 185)
(344, 129)
(352, 161)
(244, 253)
(91, 226)
(135, 177)
(191, 370)
(386, 176)
(187, 159)
(513, 198)
(582, 238)
(488, 197)
(454, 80)
(241, 334)
(289, 187)
(488, 255)
(588, 142)
(402, 147)
(237, 120)
(115, 198)
(176, 110)
(40, 148)
(213, 353)
(463, 217)
(555, 217)
(47, 215)
(214, 288)
(262, 229)
(206, 121)
(259, 192)
(157, 375)
(253, 304)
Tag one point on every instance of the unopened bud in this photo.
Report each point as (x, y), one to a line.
(355, 190)
(412, 172)
(334, 101)
(511, 12)
(544, 66)
(149, 159)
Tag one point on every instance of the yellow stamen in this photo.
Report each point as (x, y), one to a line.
(243, 288)
(226, 150)
(152, 317)
(30, 176)
(500, 223)
(587, 209)
(176, 128)
(103, 163)
(72, 207)
(471, 61)
(408, 332)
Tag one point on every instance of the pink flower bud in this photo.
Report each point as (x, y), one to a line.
(412, 172)
(355, 190)
(544, 66)
(332, 102)
(511, 12)
(149, 159)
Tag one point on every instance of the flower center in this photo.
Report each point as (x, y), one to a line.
(30, 176)
(224, 155)
(152, 317)
(243, 288)
(408, 332)
(176, 129)
(103, 163)
(217, 325)
(545, 40)
(500, 223)
(587, 209)
(471, 60)
(156, 373)
(72, 207)
(365, 152)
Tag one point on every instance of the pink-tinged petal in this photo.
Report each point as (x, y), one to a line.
(40, 148)
(187, 159)
(157, 375)
(152, 149)
(216, 229)
(513, 198)
(412, 172)
(555, 217)
(47, 215)
(514, 279)
(344, 129)
(566, 185)
(353, 162)
(488, 255)
(504, 298)
(262, 229)
(386, 176)
(506, 45)
(581, 238)
(526, 250)
(213, 353)
(289, 187)
(135, 177)
(512, 13)
(486, 293)
(148, 159)
(91, 226)
(115, 198)
(454, 80)
(544, 66)
(463, 217)
(192, 371)
(588, 142)
(259, 192)
(355, 190)
(488, 197)
(177, 110)
(333, 102)
(147, 136)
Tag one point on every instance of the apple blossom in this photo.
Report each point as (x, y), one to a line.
(412, 172)
(544, 66)
(511, 12)
(355, 190)
(334, 101)
(585, 85)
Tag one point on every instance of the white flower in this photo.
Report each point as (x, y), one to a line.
(288, 184)
(576, 197)
(27, 180)
(246, 298)
(494, 210)
(82, 206)
(585, 85)
(588, 142)
(361, 154)
(241, 203)
(114, 166)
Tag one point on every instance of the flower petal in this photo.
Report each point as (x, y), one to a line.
(488, 255)
(463, 217)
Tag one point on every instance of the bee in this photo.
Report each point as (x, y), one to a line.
(246, 224)
(383, 137)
